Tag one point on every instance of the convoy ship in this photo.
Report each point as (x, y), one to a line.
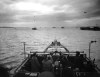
(34, 28)
(95, 28)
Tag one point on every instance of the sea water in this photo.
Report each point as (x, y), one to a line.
(12, 47)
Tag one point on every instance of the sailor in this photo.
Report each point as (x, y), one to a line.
(4, 71)
(78, 61)
(35, 65)
(46, 74)
(47, 63)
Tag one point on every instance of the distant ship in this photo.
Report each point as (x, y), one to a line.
(94, 28)
(53, 27)
(62, 27)
(34, 28)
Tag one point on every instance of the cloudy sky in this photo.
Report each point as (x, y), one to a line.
(49, 13)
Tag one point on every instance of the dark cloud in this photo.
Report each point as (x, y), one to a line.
(65, 10)
(7, 17)
(87, 8)
(98, 3)
(50, 18)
